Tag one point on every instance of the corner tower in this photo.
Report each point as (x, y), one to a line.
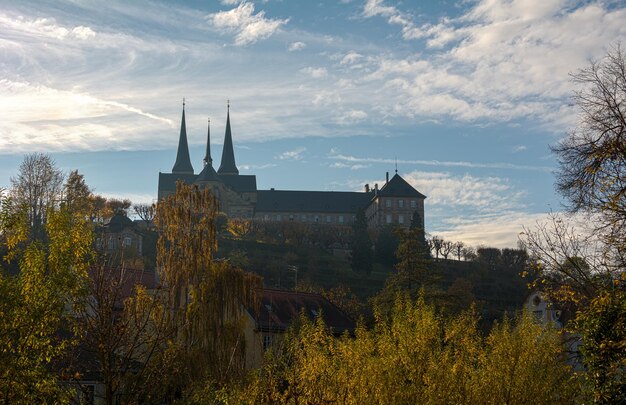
(228, 165)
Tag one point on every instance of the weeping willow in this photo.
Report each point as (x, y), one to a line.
(204, 297)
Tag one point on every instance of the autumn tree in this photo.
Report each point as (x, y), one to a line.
(145, 212)
(416, 356)
(36, 303)
(203, 297)
(582, 263)
(37, 187)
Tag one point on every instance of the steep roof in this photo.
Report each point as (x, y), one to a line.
(208, 160)
(311, 201)
(167, 181)
(183, 162)
(118, 222)
(228, 166)
(241, 184)
(207, 174)
(398, 187)
(279, 309)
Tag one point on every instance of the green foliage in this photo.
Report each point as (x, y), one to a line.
(203, 297)
(362, 255)
(416, 357)
(35, 304)
(603, 328)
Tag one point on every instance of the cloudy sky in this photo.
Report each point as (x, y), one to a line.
(466, 96)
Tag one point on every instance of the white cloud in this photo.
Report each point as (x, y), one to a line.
(350, 58)
(485, 194)
(492, 64)
(230, 2)
(296, 46)
(339, 165)
(334, 154)
(249, 27)
(350, 117)
(499, 231)
(295, 154)
(519, 148)
(316, 73)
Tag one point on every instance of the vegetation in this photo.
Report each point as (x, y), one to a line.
(586, 271)
(416, 356)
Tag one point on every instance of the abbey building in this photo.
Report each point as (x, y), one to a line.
(393, 204)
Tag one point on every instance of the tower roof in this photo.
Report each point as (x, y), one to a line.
(207, 174)
(398, 187)
(207, 158)
(183, 162)
(228, 165)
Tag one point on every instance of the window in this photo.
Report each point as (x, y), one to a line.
(388, 218)
(341, 219)
(303, 218)
(278, 217)
(127, 241)
(328, 218)
(267, 342)
(400, 219)
(413, 204)
(317, 218)
(388, 203)
(291, 217)
(267, 217)
(400, 203)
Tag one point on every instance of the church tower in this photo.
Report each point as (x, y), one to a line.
(183, 162)
(228, 165)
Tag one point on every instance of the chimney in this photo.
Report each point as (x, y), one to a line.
(367, 188)
(387, 178)
(376, 189)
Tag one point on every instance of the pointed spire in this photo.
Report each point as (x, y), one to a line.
(207, 158)
(228, 165)
(183, 163)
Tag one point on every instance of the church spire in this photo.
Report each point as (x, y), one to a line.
(228, 165)
(207, 158)
(183, 163)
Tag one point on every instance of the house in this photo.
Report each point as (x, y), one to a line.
(265, 327)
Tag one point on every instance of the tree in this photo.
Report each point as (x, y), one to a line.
(362, 256)
(37, 187)
(145, 212)
(586, 268)
(416, 356)
(118, 206)
(592, 172)
(78, 196)
(203, 297)
(34, 303)
(458, 249)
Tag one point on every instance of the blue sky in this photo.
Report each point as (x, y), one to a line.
(467, 96)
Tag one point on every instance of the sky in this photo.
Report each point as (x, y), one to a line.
(463, 97)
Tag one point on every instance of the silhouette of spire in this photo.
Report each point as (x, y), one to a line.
(183, 163)
(228, 165)
(207, 158)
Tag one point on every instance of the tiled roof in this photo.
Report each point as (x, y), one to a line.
(167, 181)
(398, 187)
(239, 183)
(228, 166)
(280, 308)
(311, 201)
(183, 163)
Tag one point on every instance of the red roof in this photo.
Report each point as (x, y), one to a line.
(280, 308)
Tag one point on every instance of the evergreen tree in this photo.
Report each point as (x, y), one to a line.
(362, 255)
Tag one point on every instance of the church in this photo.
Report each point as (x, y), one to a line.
(394, 204)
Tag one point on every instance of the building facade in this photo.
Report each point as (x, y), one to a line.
(394, 204)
